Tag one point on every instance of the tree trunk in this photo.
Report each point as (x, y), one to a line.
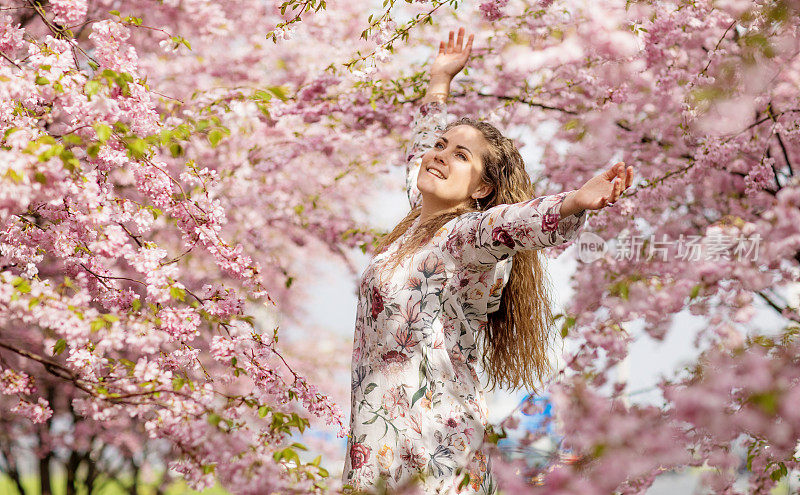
(72, 469)
(45, 482)
(91, 475)
(13, 472)
(134, 488)
(44, 474)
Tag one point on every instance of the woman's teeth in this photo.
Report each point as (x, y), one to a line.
(435, 173)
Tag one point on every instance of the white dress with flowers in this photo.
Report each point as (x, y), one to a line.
(417, 404)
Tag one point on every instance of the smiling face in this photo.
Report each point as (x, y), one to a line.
(451, 170)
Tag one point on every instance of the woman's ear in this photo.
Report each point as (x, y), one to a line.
(482, 191)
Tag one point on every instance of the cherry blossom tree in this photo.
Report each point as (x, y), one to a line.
(124, 277)
(168, 168)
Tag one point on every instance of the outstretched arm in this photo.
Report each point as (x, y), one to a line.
(430, 116)
(481, 239)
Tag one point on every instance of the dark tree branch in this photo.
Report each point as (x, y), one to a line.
(776, 307)
(785, 154)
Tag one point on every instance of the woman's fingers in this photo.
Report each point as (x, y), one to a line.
(612, 197)
(621, 178)
(615, 191)
(612, 171)
(456, 44)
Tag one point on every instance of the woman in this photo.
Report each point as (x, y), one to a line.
(461, 265)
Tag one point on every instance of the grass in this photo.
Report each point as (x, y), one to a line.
(31, 484)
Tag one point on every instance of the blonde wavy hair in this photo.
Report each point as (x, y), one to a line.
(518, 335)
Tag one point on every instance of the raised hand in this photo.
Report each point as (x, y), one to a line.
(452, 56)
(603, 189)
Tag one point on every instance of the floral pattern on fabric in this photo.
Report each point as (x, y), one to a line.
(417, 405)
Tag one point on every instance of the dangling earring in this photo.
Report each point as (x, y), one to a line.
(477, 205)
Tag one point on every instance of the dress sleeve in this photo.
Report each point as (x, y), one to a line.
(429, 120)
(480, 239)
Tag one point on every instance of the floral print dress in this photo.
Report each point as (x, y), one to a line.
(417, 403)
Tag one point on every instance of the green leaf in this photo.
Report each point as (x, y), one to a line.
(91, 88)
(176, 150)
(103, 132)
(137, 147)
(42, 80)
(779, 473)
(71, 139)
(569, 322)
(14, 175)
(767, 401)
(93, 150)
(177, 293)
(21, 285)
(370, 388)
(262, 411)
(493, 436)
(214, 137)
(419, 394)
(59, 346)
(620, 289)
(288, 454)
(278, 91)
(464, 482)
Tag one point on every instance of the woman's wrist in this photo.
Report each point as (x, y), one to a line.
(438, 89)
(568, 206)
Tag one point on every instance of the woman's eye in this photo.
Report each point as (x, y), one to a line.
(439, 143)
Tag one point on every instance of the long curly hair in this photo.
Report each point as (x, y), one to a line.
(518, 334)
